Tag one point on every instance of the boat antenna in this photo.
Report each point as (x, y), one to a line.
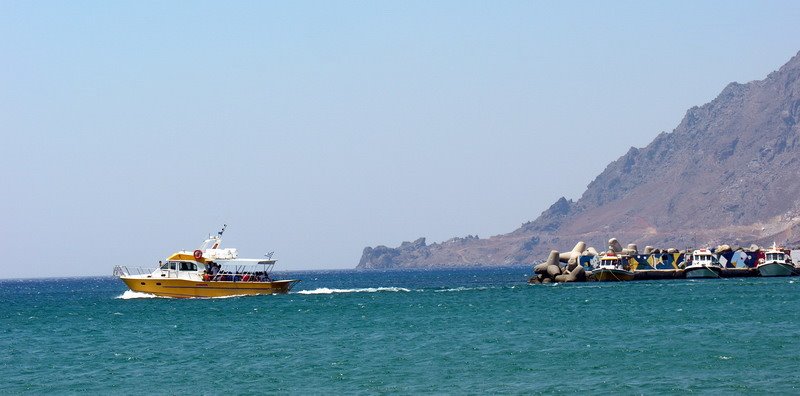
(218, 238)
(269, 255)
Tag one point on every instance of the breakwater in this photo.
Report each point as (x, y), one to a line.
(582, 262)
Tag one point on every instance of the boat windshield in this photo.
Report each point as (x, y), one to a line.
(179, 266)
(775, 256)
(610, 262)
(706, 258)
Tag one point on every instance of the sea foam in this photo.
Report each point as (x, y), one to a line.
(130, 294)
(460, 289)
(325, 290)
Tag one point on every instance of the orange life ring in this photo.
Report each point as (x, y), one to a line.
(198, 254)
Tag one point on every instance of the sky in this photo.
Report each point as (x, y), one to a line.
(133, 129)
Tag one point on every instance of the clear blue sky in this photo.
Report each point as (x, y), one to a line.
(132, 129)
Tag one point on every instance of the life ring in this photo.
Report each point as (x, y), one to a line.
(198, 254)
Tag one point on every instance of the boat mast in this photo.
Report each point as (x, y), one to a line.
(218, 238)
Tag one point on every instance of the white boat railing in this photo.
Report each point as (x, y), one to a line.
(239, 274)
(226, 276)
(123, 270)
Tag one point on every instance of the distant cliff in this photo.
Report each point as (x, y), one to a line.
(728, 173)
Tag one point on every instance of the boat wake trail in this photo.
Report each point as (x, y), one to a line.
(325, 290)
(129, 294)
(461, 288)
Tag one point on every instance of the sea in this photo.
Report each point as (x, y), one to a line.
(439, 331)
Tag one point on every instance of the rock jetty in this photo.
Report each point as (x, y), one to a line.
(650, 264)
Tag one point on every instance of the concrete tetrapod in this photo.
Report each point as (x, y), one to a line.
(614, 246)
(546, 271)
(591, 251)
(574, 254)
(576, 275)
(553, 271)
(552, 259)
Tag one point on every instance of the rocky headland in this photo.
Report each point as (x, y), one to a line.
(728, 173)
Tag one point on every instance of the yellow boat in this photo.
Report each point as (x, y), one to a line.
(611, 269)
(209, 271)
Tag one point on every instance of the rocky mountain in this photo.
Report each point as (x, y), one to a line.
(728, 173)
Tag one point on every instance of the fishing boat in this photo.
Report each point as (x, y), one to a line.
(775, 263)
(610, 269)
(209, 271)
(703, 264)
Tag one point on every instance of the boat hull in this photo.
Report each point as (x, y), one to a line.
(775, 269)
(702, 272)
(186, 288)
(612, 275)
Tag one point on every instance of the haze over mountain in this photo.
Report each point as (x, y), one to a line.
(728, 173)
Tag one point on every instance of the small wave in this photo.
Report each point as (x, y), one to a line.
(130, 294)
(325, 290)
(461, 288)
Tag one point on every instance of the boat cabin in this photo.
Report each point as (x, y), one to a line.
(775, 256)
(610, 262)
(179, 266)
(703, 257)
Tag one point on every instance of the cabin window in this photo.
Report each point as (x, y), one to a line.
(188, 266)
(172, 265)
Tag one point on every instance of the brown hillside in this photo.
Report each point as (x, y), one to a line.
(728, 173)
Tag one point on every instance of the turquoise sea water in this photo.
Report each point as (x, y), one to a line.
(467, 331)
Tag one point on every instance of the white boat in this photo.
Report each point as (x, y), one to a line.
(703, 264)
(775, 263)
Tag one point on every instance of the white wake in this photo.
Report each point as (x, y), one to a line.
(130, 294)
(325, 290)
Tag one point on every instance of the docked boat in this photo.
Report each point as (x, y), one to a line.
(703, 264)
(775, 263)
(209, 271)
(610, 269)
